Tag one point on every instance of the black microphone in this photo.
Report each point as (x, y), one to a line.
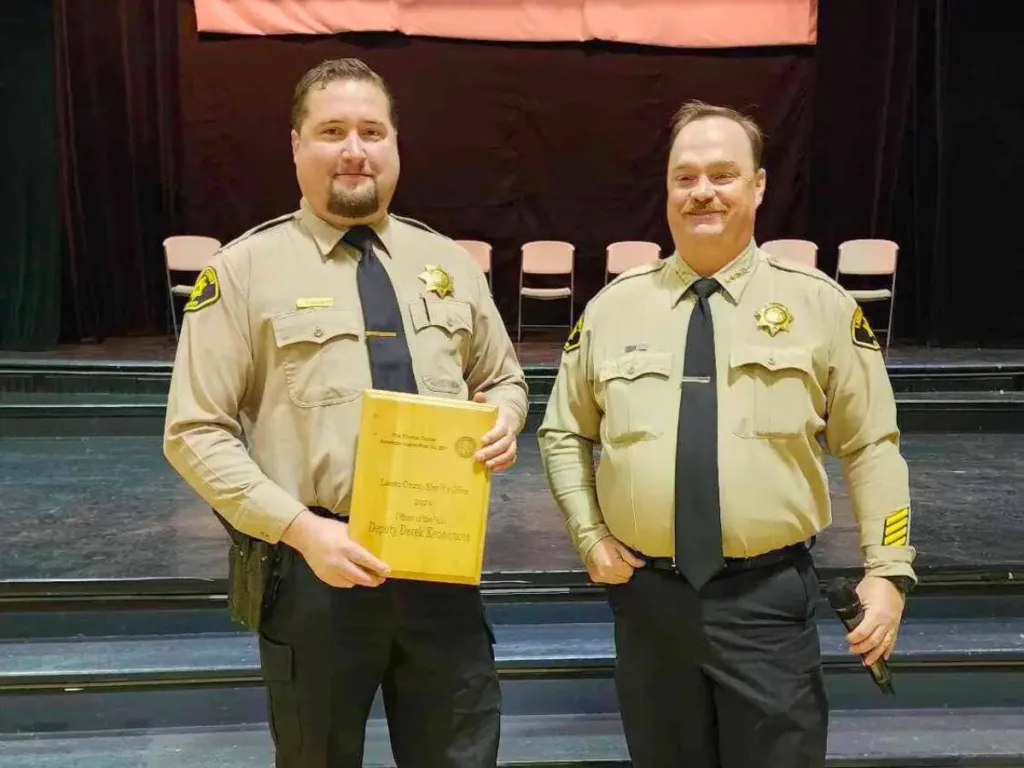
(845, 602)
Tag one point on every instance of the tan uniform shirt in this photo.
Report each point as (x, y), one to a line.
(272, 352)
(797, 369)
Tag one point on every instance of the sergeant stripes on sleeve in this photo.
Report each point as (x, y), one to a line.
(897, 529)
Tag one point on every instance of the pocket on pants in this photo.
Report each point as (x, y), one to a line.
(812, 590)
(477, 691)
(803, 649)
(278, 664)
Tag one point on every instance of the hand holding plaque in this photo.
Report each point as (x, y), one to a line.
(420, 497)
(331, 554)
(499, 449)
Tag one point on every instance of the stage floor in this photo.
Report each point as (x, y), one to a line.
(541, 348)
(112, 508)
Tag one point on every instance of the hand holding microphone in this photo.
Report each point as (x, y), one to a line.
(872, 625)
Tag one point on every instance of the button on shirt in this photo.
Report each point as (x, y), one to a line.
(798, 372)
(264, 404)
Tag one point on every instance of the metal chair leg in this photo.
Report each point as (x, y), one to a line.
(170, 306)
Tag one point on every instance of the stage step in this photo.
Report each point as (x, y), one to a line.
(186, 680)
(1001, 370)
(922, 738)
(48, 414)
(189, 693)
(153, 608)
(522, 649)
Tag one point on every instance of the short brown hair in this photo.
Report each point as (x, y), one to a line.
(336, 69)
(696, 110)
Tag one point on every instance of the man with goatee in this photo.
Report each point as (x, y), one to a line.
(283, 332)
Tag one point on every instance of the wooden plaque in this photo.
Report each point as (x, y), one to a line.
(419, 498)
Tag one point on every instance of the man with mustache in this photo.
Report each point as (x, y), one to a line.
(284, 330)
(711, 380)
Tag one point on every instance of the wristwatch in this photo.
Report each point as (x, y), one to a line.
(903, 583)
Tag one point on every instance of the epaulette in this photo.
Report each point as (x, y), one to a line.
(642, 269)
(802, 269)
(260, 228)
(415, 223)
(576, 334)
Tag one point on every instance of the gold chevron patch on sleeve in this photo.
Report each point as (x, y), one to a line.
(897, 529)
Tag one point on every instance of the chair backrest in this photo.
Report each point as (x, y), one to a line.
(189, 253)
(480, 251)
(548, 257)
(867, 257)
(799, 251)
(627, 254)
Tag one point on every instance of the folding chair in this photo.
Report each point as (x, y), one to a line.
(798, 251)
(627, 254)
(871, 257)
(546, 257)
(481, 253)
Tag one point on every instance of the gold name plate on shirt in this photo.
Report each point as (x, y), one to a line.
(419, 498)
(313, 303)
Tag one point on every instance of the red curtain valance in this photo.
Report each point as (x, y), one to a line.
(672, 23)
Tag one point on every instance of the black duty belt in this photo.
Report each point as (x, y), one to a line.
(737, 564)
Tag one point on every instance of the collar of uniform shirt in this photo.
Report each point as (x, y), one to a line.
(327, 236)
(733, 277)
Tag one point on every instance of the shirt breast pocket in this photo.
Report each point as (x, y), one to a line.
(636, 386)
(324, 358)
(443, 332)
(772, 389)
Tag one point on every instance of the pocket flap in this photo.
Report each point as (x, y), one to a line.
(772, 358)
(443, 384)
(636, 364)
(447, 314)
(316, 325)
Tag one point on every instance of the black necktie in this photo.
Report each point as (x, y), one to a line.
(698, 509)
(390, 363)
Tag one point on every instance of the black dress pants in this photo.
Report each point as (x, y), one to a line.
(727, 678)
(325, 652)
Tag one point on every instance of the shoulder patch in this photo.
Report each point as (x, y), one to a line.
(861, 333)
(417, 224)
(573, 342)
(205, 292)
(261, 228)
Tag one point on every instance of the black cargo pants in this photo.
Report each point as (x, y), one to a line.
(727, 678)
(326, 651)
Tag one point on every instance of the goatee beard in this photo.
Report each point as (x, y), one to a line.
(354, 204)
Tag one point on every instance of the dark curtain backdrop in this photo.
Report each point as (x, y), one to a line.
(919, 113)
(117, 80)
(865, 65)
(30, 243)
(902, 111)
(972, 114)
(505, 143)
